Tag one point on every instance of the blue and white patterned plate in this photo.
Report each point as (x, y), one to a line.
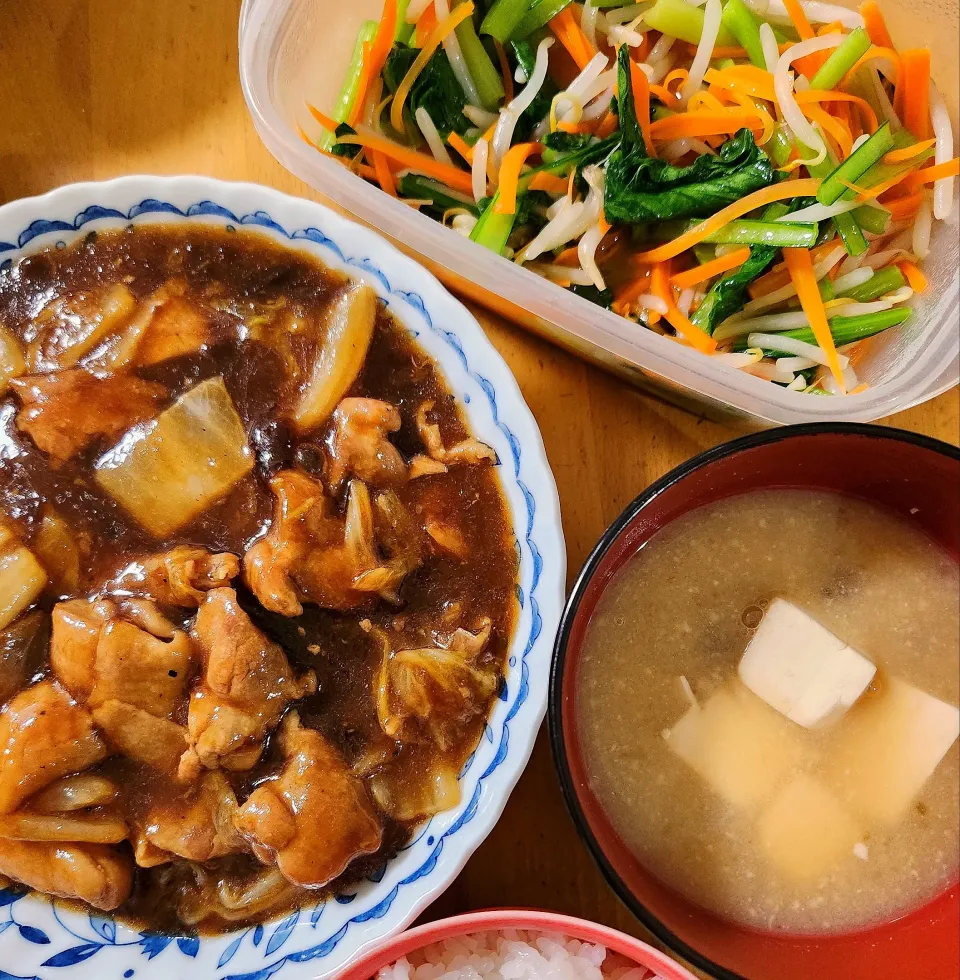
(41, 939)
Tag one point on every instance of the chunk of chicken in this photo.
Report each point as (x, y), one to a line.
(179, 577)
(359, 445)
(76, 626)
(64, 412)
(135, 667)
(197, 825)
(99, 658)
(96, 874)
(247, 684)
(176, 327)
(316, 817)
(466, 452)
(311, 554)
(141, 736)
(44, 734)
(146, 614)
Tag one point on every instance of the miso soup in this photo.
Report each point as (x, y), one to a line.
(827, 801)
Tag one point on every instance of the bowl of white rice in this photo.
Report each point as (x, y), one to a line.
(505, 944)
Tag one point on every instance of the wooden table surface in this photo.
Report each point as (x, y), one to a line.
(92, 89)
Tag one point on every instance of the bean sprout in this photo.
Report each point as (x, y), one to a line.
(943, 131)
(431, 135)
(783, 84)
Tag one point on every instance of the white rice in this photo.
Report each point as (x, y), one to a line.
(514, 955)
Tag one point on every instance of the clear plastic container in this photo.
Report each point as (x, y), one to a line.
(292, 51)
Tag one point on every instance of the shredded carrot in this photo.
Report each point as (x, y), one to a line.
(917, 178)
(382, 170)
(913, 82)
(799, 19)
(607, 125)
(873, 54)
(451, 176)
(811, 64)
(860, 389)
(779, 275)
(716, 123)
(801, 272)
(915, 278)
(908, 152)
(445, 27)
(875, 24)
(781, 191)
(460, 145)
(834, 28)
(824, 95)
(361, 169)
(549, 183)
(383, 39)
(833, 127)
(748, 79)
(324, 120)
(905, 207)
(660, 286)
(569, 257)
(640, 53)
(510, 167)
(641, 100)
(425, 25)
(627, 294)
(571, 36)
(715, 267)
(664, 95)
(766, 120)
(679, 75)
(505, 72)
(705, 101)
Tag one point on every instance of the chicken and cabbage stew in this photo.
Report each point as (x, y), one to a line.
(257, 579)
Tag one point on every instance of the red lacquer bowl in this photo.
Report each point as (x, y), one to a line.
(916, 477)
(496, 919)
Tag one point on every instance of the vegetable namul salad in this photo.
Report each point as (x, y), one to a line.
(756, 179)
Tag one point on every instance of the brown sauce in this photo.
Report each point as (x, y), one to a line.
(248, 287)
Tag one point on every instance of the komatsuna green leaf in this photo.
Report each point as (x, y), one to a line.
(436, 88)
(642, 189)
(727, 294)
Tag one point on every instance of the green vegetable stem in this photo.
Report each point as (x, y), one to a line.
(779, 234)
(843, 329)
(351, 84)
(741, 23)
(679, 19)
(503, 18)
(485, 76)
(541, 12)
(853, 47)
(856, 165)
(883, 281)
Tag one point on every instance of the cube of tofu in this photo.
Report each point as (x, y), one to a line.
(888, 748)
(739, 745)
(805, 830)
(22, 578)
(800, 668)
(192, 455)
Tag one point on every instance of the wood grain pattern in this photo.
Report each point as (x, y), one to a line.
(92, 89)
